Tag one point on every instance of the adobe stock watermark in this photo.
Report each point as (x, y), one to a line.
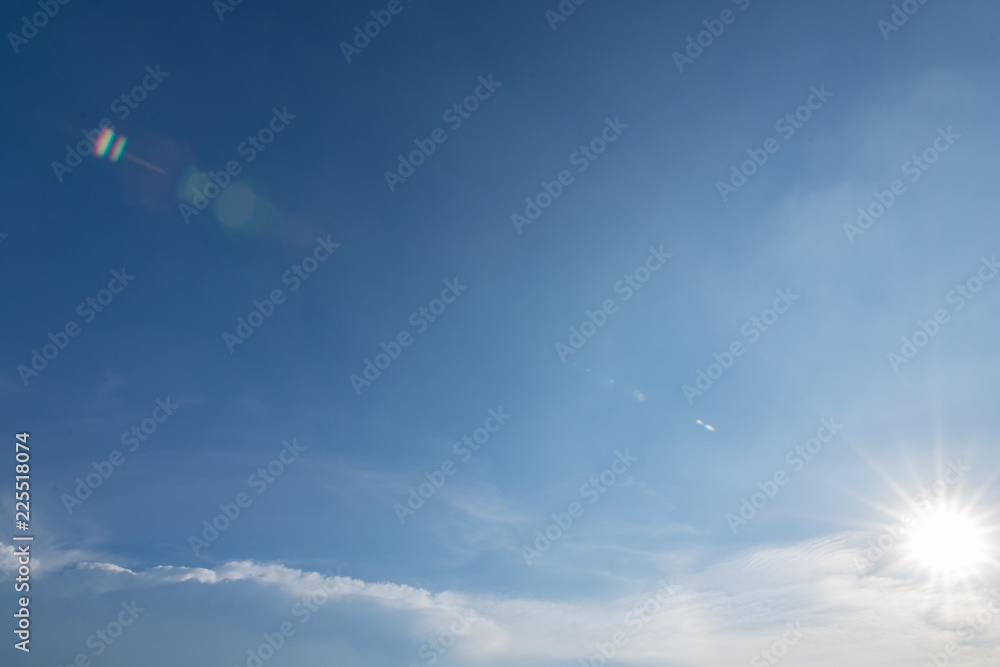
(217, 182)
(636, 620)
(593, 490)
(102, 639)
(927, 330)
(752, 329)
(122, 106)
(581, 158)
(973, 624)
(133, 438)
(899, 17)
(779, 647)
(372, 29)
(222, 7)
(293, 277)
(796, 458)
(455, 116)
(629, 284)
(463, 448)
(88, 309)
(922, 504)
(39, 20)
(704, 39)
(787, 125)
(273, 642)
(564, 10)
(915, 167)
(259, 481)
(419, 320)
(302, 610)
(433, 649)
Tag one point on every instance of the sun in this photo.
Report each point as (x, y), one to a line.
(948, 541)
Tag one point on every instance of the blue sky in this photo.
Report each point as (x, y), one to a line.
(315, 202)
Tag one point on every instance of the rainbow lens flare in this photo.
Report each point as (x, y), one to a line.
(118, 149)
(103, 143)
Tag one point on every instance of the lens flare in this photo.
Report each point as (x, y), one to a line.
(948, 541)
(103, 142)
(236, 205)
(118, 149)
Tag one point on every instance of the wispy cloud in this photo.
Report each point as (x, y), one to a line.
(722, 613)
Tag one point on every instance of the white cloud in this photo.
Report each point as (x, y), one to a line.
(723, 612)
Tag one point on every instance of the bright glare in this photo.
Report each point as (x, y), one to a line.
(948, 541)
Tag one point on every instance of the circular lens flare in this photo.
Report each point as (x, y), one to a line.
(236, 205)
